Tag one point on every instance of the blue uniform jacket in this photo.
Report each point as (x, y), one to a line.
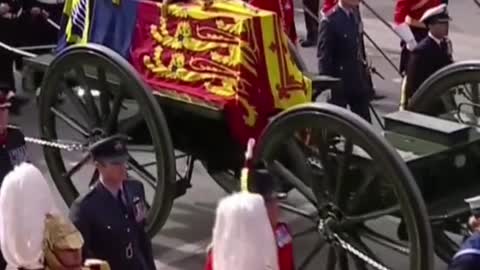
(110, 233)
(340, 51)
(468, 257)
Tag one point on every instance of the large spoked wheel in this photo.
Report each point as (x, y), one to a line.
(91, 92)
(361, 200)
(451, 89)
(453, 93)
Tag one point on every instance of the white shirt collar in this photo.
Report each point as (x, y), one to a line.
(438, 41)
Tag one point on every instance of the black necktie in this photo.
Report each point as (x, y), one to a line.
(444, 46)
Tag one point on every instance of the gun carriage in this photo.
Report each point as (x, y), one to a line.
(400, 189)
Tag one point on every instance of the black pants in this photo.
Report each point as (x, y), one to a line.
(359, 104)
(311, 23)
(419, 34)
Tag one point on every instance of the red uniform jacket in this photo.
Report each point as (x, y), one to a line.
(410, 11)
(284, 245)
(285, 10)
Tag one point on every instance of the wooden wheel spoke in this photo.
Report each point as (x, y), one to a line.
(298, 211)
(74, 124)
(385, 241)
(331, 259)
(342, 258)
(128, 125)
(359, 219)
(90, 102)
(283, 173)
(77, 166)
(78, 105)
(104, 92)
(310, 255)
(362, 190)
(305, 232)
(475, 94)
(111, 119)
(141, 148)
(324, 159)
(448, 101)
(148, 164)
(343, 166)
(146, 175)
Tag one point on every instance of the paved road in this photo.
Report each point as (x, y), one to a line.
(182, 242)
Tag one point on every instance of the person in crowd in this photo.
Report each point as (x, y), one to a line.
(311, 10)
(243, 237)
(62, 247)
(409, 27)
(284, 9)
(329, 6)
(340, 55)
(432, 53)
(111, 216)
(264, 185)
(12, 141)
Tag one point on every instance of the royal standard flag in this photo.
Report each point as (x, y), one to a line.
(75, 23)
(107, 22)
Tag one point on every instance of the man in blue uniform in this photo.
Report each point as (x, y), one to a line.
(111, 216)
(340, 55)
(431, 54)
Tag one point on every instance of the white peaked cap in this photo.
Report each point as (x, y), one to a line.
(474, 202)
(442, 8)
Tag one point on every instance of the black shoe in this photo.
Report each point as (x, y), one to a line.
(309, 42)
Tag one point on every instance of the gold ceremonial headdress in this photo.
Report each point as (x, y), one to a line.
(61, 234)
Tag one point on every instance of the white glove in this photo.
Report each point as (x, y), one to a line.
(404, 31)
(411, 44)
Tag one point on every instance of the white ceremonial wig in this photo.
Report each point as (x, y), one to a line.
(243, 237)
(25, 200)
